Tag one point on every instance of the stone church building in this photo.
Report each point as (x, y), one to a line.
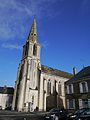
(37, 86)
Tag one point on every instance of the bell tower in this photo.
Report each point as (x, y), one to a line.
(31, 52)
(32, 48)
(26, 86)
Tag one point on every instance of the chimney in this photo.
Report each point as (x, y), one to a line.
(5, 86)
(74, 71)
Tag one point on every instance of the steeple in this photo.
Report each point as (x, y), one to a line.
(33, 33)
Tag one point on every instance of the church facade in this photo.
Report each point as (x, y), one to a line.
(37, 86)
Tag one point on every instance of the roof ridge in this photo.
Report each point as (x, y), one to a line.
(56, 69)
(56, 72)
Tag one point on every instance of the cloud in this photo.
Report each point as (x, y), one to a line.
(11, 46)
(6, 32)
(14, 5)
(15, 14)
(45, 44)
(29, 7)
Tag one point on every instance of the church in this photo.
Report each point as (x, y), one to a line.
(37, 86)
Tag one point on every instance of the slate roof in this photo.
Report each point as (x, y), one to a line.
(7, 90)
(56, 72)
(84, 73)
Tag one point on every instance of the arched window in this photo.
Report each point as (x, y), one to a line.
(48, 87)
(59, 89)
(34, 49)
(21, 72)
(23, 50)
(44, 84)
(55, 85)
(26, 48)
(33, 99)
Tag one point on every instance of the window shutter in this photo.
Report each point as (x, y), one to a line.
(80, 104)
(67, 89)
(74, 103)
(80, 87)
(86, 86)
(72, 89)
(89, 103)
(67, 103)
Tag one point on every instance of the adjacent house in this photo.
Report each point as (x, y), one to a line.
(78, 90)
(6, 96)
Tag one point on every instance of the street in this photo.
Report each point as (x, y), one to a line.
(13, 115)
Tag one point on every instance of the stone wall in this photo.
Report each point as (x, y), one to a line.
(52, 99)
(76, 94)
(5, 100)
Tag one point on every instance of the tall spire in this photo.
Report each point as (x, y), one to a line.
(33, 32)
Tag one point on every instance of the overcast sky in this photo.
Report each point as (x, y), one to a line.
(63, 28)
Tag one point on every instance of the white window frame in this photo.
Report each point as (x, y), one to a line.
(67, 89)
(89, 103)
(81, 105)
(81, 87)
(67, 101)
(72, 90)
(68, 104)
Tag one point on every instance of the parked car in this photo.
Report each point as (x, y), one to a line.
(0, 107)
(82, 114)
(8, 108)
(56, 114)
